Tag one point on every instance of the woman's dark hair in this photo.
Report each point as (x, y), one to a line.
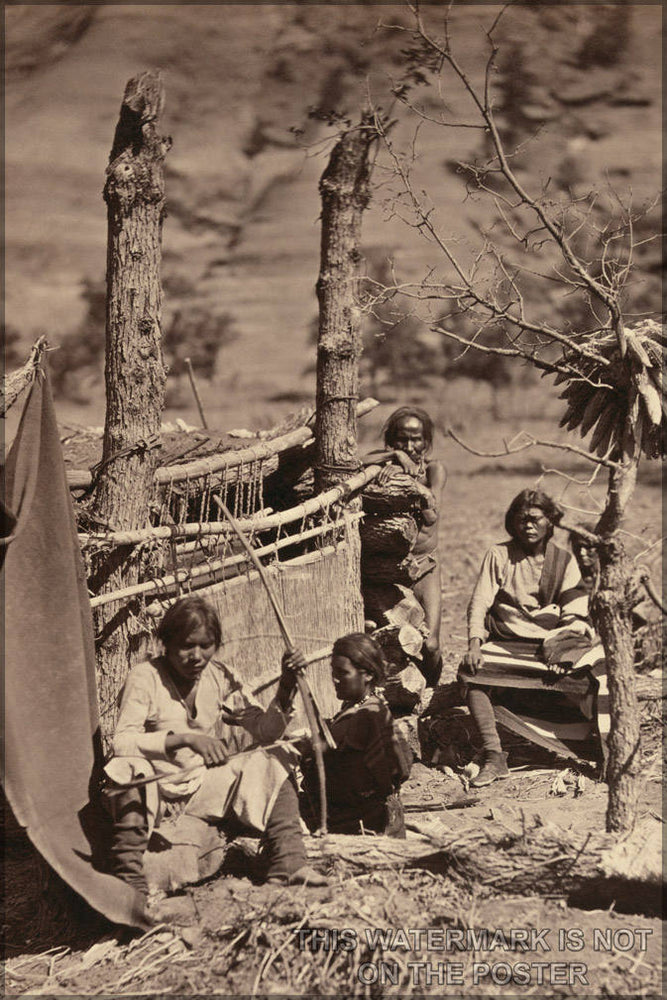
(393, 420)
(532, 498)
(187, 614)
(364, 652)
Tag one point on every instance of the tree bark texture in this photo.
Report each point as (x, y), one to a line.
(134, 373)
(620, 487)
(612, 616)
(345, 194)
(612, 609)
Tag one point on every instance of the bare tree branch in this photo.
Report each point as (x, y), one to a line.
(426, 227)
(586, 483)
(645, 578)
(532, 442)
(597, 288)
(547, 366)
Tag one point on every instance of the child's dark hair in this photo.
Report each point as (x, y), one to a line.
(187, 614)
(393, 420)
(364, 652)
(532, 498)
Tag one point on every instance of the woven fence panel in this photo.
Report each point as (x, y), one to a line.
(321, 600)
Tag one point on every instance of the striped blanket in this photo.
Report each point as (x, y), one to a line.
(518, 664)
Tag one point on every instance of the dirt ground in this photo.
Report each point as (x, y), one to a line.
(244, 940)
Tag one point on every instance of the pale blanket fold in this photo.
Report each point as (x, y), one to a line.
(514, 664)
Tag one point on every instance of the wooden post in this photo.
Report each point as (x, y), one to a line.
(345, 195)
(612, 610)
(135, 374)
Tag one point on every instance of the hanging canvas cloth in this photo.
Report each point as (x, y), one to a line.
(51, 718)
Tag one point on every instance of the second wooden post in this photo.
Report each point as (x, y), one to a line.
(345, 194)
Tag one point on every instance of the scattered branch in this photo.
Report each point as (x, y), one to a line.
(470, 290)
(586, 483)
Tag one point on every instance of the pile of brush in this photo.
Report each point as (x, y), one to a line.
(533, 859)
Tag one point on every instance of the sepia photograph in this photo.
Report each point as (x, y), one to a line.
(334, 422)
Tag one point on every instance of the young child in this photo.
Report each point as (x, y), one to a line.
(169, 722)
(366, 770)
(408, 439)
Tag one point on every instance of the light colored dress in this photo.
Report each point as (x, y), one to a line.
(152, 708)
(521, 596)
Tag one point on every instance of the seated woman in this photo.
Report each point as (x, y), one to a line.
(370, 762)
(167, 726)
(528, 588)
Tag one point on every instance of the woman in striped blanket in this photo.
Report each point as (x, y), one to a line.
(528, 588)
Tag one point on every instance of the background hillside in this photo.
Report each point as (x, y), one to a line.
(241, 241)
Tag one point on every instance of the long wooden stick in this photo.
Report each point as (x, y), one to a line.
(320, 654)
(176, 776)
(277, 610)
(213, 566)
(195, 393)
(315, 720)
(202, 529)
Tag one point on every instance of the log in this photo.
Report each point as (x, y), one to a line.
(405, 688)
(204, 573)
(185, 851)
(538, 860)
(266, 452)
(196, 529)
(383, 569)
(394, 535)
(401, 644)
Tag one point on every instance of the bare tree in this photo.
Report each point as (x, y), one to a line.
(609, 369)
(134, 373)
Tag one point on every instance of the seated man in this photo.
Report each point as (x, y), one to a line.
(528, 589)
(167, 726)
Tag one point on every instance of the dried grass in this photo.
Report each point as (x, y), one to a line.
(435, 879)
